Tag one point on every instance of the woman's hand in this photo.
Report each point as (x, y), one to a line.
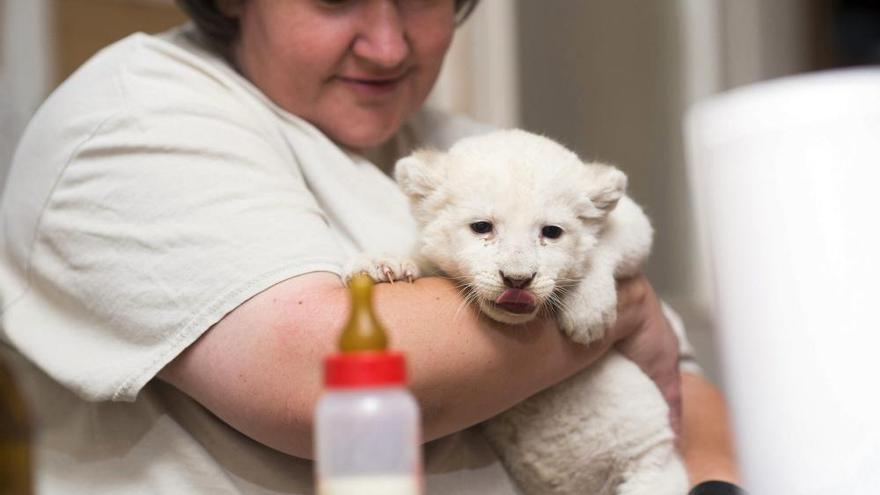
(644, 335)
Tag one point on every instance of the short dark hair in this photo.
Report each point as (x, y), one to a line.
(222, 30)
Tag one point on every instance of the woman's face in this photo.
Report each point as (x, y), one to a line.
(356, 69)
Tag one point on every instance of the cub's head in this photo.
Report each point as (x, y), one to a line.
(511, 216)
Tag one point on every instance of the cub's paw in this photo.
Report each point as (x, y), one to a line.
(589, 312)
(586, 325)
(382, 268)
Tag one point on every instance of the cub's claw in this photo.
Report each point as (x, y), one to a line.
(382, 268)
(389, 275)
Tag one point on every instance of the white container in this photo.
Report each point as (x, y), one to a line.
(791, 180)
(367, 430)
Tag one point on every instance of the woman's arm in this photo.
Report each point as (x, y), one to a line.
(697, 410)
(706, 441)
(259, 368)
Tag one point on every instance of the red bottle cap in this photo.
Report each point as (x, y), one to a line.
(364, 369)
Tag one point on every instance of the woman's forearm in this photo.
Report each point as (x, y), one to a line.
(259, 368)
(706, 439)
(466, 368)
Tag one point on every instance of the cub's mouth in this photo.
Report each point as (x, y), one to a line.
(517, 301)
(513, 306)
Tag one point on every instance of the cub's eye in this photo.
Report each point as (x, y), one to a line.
(481, 227)
(551, 232)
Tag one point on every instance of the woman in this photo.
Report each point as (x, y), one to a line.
(175, 223)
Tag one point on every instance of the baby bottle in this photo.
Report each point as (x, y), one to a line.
(367, 424)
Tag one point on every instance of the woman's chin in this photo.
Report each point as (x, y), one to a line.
(363, 130)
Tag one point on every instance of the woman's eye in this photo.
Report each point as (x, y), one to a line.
(481, 227)
(551, 232)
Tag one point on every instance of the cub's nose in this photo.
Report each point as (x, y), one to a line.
(516, 280)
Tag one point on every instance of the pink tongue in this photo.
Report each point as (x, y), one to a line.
(517, 301)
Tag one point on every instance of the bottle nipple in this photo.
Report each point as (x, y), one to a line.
(363, 331)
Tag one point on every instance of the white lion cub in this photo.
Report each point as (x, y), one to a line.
(527, 227)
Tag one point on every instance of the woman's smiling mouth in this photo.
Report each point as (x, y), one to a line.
(373, 87)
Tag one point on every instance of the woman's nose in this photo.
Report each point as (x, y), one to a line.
(382, 40)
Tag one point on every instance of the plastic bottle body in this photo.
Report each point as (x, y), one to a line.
(367, 441)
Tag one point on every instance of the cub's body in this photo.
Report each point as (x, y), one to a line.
(525, 226)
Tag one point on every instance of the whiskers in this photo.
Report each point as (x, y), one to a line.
(567, 282)
(552, 304)
(468, 295)
(556, 302)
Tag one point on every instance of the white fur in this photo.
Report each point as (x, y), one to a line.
(604, 430)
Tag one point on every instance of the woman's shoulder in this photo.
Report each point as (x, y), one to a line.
(143, 100)
(134, 88)
(144, 74)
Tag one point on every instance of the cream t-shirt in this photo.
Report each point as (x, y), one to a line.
(155, 191)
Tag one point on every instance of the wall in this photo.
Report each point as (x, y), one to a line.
(25, 69)
(601, 77)
(82, 27)
(767, 39)
(480, 74)
(604, 78)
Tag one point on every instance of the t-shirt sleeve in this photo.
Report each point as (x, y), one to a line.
(161, 222)
(687, 357)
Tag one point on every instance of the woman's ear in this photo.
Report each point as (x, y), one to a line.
(419, 174)
(605, 185)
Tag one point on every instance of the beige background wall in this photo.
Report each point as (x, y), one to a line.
(82, 27)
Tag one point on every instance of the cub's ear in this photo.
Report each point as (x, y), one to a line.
(605, 185)
(419, 174)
